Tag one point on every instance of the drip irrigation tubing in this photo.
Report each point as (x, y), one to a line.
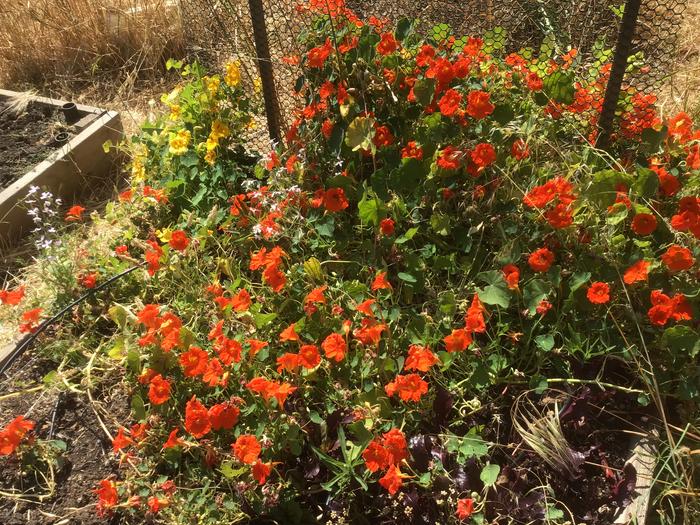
(27, 341)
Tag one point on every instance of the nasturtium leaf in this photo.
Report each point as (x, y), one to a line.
(682, 341)
(533, 293)
(503, 114)
(228, 470)
(138, 408)
(545, 342)
(489, 474)
(579, 279)
(119, 314)
(403, 28)
(410, 233)
(495, 295)
(603, 187)
(646, 183)
(424, 89)
(559, 86)
(406, 277)
(371, 209)
(360, 133)
(262, 320)
(335, 142)
(440, 223)
(473, 447)
(118, 350)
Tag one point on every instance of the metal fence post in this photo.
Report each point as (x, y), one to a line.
(262, 50)
(617, 73)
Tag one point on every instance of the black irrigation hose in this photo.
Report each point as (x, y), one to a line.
(27, 341)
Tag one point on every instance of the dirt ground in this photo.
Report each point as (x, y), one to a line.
(66, 417)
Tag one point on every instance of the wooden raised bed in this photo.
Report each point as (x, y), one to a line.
(66, 172)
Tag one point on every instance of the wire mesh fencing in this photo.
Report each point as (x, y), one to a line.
(217, 30)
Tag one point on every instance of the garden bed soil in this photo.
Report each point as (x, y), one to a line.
(88, 457)
(28, 138)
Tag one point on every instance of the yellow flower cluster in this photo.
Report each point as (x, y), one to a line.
(219, 130)
(233, 73)
(212, 84)
(180, 142)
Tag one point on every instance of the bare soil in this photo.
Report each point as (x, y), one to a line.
(59, 415)
(27, 139)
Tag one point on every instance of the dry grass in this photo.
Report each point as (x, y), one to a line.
(109, 53)
(682, 90)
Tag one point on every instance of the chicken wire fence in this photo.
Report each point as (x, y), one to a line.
(637, 37)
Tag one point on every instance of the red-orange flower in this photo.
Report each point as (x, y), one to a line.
(334, 200)
(214, 374)
(241, 301)
(392, 480)
(475, 321)
(247, 449)
(541, 259)
(287, 361)
(223, 415)
(519, 150)
(309, 356)
(197, 420)
(598, 292)
(89, 280)
(179, 241)
(483, 155)
(449, 103)
(194, 361)
(678, 258)
(409, 387)
(12, 297)
(376, 456)
(335, 347)
(458, 341)
(152, 256)
(465, 508)
(479, 105)
(74, 213)
(387, 45)
(159, 390)
(511, 274)
(412, 150)
(560, 216)
(107, 496)
(387, 226)
(173, 440)
(450, 158)
(380, 282)
(420, 358)
(317, 56)
(261, 471)
(643, 223)
(289, 334)
(30, 320)
(12, 435)
(639, 271)
(121, 441)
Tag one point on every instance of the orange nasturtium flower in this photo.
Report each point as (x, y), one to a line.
(541, 259)
(179, 241)
(107, 496)
(194, 361)
(409, 387)
(420, 358)
(678, 258)
(380, 282)
(639, 271)
(598, 293)
(74, 213)
(458, 341)
(246, 449)
(12, 297)
(13, 433)
(159, 390)
(335, 347)
(197, 421)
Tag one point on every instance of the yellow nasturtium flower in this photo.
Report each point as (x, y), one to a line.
(212, 84)
(219, 130)
(180, 142)
(233, 73)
